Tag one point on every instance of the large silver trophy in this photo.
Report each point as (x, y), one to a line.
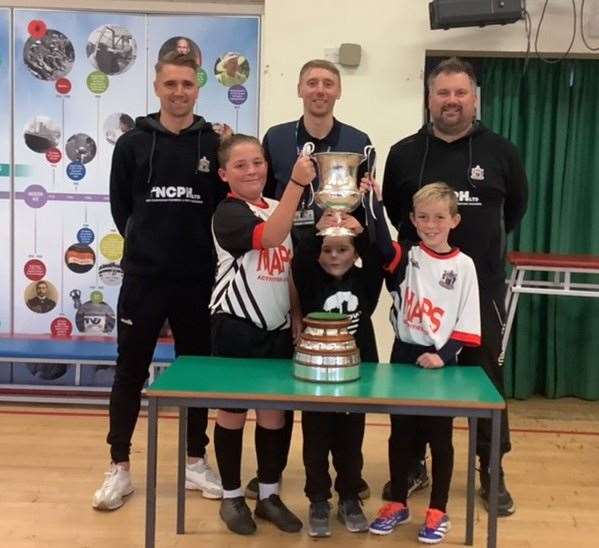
(338, 190)
(326, 350)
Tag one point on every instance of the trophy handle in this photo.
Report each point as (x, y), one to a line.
(370, 155)
(307, 150)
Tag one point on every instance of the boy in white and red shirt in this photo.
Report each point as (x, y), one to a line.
(435, 312)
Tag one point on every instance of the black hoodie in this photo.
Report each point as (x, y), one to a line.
(163, 190)
(487, 174)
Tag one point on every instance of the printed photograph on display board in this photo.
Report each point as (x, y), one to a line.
(5, 228)
(227, 50)
(80, 81)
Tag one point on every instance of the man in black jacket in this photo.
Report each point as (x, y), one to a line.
(487, 174)
(164, 187)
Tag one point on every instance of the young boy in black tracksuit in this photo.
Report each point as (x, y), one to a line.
(326, 278)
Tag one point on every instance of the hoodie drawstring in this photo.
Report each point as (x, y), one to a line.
(423, 163)
(469, 166)
(199, 152)
(152, 150)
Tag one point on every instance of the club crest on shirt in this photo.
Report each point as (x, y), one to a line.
(204, 165)
(477, 173)
(448, 279)
(414, 262)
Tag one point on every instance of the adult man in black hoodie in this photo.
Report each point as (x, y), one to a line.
(164, 187)
(487, 174)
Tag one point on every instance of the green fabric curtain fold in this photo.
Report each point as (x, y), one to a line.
(551, 113)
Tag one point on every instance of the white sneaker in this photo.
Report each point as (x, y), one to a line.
(117, 485)
(200, 477)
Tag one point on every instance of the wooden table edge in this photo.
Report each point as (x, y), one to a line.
(244, 396)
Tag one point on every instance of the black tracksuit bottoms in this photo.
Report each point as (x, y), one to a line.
(341, 434)
(409, 433)
(143, 306)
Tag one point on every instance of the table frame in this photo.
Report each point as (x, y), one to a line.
(184, 401)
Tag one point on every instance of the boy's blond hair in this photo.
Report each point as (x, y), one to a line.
(435, 192)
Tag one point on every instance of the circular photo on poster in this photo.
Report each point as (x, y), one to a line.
(41, 296)
(95, 318)
(111, 49)
(111, 274)
(80, 258)
(232, 69)
(116, 125)
(50, 57)
(47, 372)
(41, 134)
(81, 148)
(182, 45)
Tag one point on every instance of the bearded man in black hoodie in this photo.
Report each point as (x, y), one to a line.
(487, 174)
(164, 187)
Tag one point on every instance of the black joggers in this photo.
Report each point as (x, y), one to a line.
(143, 306)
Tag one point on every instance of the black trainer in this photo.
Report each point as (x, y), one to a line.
(274, 510)
(237, 515)
(319, 519)
(417, 480)
(505, 503)
(351, 515)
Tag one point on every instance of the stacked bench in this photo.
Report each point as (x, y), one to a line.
(76, 353)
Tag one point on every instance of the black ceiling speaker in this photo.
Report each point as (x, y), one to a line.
(447, 14)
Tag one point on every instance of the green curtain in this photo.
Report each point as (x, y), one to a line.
(551, 113)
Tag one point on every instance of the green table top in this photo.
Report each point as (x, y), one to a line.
(265, 379)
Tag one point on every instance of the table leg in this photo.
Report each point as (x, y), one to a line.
(181, 470)
(473, 425)
(151, 472)
(511, 310)
(494, 479)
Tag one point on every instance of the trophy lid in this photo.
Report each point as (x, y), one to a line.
(327, 320)
(327, 316)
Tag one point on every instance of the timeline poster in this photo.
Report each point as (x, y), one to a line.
(227, 50)
(5, 184)
(80, 81)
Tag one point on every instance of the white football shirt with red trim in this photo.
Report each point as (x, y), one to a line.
(435, 298)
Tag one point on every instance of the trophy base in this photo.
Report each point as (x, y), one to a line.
(326, 374)
(336, 231)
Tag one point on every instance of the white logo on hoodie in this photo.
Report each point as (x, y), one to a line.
(174, 194)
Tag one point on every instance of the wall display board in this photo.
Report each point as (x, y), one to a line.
(77, 77)
(227, 49)
(5, 180)
(78, 81)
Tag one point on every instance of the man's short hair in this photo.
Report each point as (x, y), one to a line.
(453, 65)
(224, 148)
(322, 64)
(177, 59)
(434, 192)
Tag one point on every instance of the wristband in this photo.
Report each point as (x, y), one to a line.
(296, 182)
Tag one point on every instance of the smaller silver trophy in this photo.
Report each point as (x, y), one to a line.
(338, 190)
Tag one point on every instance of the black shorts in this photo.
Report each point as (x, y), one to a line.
(250, 341)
